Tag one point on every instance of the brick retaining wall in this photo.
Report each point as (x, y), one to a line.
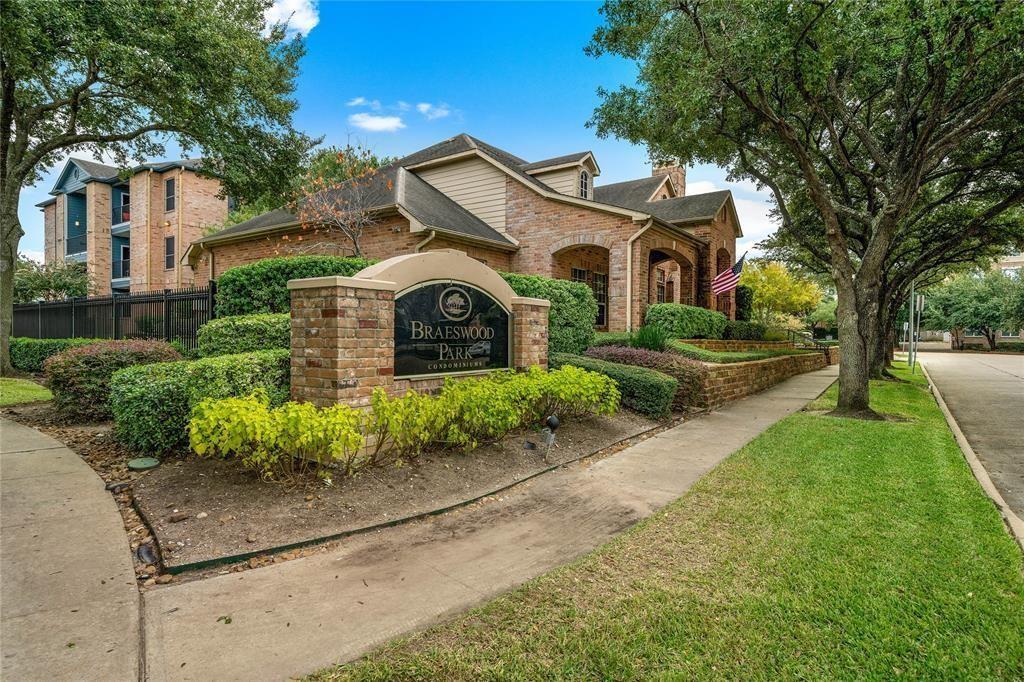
(737, 345)
(724, 382)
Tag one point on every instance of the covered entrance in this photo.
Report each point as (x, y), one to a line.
(587, 264)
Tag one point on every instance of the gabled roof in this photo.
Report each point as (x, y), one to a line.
(391, 188)
(631, 193)
(95, 170)
(559, 161)
(692, 208)
(101, 172)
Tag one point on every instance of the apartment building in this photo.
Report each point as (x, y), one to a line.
(130, 226)
(633, 243)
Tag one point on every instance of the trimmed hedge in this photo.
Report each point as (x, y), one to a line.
(244, 333)
(744, 302)
(646, 391)
(80, 377)
(572, 314)
(725, 357)
(689, 374)
(686, 321)
(262, 287)
(28, 355)
(744, 331)
(152, 404)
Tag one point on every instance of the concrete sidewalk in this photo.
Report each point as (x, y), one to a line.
(296, 617)
(69, 606)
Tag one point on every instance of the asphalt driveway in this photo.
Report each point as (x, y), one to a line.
(985, 393)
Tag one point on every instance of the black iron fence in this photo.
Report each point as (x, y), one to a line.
(171, 315)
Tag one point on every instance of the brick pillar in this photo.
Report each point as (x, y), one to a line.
(342, 339)
(530, 332)
(97, 237)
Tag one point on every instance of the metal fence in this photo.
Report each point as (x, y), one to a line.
(171, 315)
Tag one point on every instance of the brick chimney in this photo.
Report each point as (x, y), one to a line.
(674, 171)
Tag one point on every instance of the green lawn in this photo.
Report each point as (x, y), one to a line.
(826, 548)
(15, 391)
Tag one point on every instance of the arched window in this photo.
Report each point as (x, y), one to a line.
(584, 184)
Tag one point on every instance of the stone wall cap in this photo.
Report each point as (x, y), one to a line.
(525, 300)
(337, 281)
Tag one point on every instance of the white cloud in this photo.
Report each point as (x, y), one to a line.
(403, 106)
(363, 102)
(300, 15)
(433, 111)
(376, 124)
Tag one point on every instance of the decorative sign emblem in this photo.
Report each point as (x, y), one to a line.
(448, 327)
(455, 304)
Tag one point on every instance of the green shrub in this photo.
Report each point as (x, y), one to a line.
(686, 321)
(649, 336)
(611, 339)
(262, 287)
(294, 437)
(646, 391)
(744, 302)
(744, 331)
(28, 355)
(776, 335)
(278, 442)
(689, 374)
(572, 314)
(151, 404)
(80, 376)
(244, 333)
(694, 353)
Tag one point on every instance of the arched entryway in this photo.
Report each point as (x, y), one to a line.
(724, 302)
(670, 277)
(587, 264)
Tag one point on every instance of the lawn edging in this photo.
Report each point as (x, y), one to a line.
(1013, 522)
(177, 569)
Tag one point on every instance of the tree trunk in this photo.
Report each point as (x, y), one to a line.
(990, 336)
(853, 348)
(9, 225)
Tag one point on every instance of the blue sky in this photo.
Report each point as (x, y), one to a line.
(512, 74)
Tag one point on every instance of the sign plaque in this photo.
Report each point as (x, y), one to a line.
(447, 327)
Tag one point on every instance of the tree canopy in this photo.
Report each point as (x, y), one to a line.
(882, 129)
(51, 282)
(983, 303)
(121, 79)
(778, 293)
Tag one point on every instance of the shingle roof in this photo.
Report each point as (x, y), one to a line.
(556, 161)
(689, 208)
(390, 187)
(631, 193)
(96, 171)
(161, 166)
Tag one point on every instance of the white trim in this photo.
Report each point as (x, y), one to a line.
(353, 282)
(661, 184)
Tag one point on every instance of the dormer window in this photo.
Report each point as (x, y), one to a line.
(584, 184)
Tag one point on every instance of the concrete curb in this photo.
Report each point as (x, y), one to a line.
(1013, 522)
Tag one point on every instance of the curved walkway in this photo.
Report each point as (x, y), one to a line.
(296, 617)
(69, 605)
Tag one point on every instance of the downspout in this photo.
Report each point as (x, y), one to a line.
(629, 273)
(433, 233)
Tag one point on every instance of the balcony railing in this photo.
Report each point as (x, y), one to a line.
(120, 268)
(75, 245)
(121, 214)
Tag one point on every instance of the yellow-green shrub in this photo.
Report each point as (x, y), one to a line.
(294, 437)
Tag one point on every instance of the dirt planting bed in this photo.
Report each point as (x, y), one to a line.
(210, 511)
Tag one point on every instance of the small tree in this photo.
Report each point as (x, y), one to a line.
(980, 303)
(52, 282)
(744, 299)
(340, 194)
(824, 316)
(778, 293)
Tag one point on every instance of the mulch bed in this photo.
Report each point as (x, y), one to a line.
(204, 510)
(201, 511)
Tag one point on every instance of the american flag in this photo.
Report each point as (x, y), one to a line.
(727, 279)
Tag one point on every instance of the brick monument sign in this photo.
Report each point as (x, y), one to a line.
(409, 322)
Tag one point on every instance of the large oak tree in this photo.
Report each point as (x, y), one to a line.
(120, 79)
(873, 115)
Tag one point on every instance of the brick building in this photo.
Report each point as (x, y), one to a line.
(634, 243)
(130, 227)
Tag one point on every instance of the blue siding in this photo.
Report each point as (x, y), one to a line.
(76, 233)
